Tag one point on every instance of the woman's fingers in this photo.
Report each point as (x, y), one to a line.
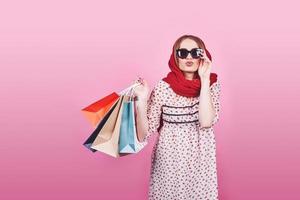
(201, 63)
(142, 83)
(137, 80)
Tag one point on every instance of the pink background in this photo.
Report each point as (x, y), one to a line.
(57, 57)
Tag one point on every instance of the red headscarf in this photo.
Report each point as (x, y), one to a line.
(183, 86)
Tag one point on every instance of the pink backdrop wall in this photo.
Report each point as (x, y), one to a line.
(56, 57)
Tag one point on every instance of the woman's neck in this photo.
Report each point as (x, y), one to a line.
(189, 76)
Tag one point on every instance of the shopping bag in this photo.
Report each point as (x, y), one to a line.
(110, 116)
(127, 129)
(128, 141)
(92, 137)
(96, 111)
(108, 137)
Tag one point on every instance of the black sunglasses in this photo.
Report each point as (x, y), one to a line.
(195, 52)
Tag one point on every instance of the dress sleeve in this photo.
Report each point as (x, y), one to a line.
(154, 111)
(215, 90)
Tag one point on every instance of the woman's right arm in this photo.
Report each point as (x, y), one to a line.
(148, 111)
(141, 118)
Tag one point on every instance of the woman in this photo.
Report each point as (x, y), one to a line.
(182, 108)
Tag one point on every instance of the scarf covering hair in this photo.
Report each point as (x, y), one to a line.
(183, 86)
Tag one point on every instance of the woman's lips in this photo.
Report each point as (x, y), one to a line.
(189, 63)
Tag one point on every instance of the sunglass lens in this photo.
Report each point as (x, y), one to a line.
(182, 53)
(196, 53)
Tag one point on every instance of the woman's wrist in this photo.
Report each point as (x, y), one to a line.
(141, 106)
(205, 81)
(141, 101)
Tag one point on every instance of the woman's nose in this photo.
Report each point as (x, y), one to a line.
(189, 56)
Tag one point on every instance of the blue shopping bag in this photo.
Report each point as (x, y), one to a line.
(127, 143)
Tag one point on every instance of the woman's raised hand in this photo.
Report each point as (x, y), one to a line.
(142, 90)
(205, 67)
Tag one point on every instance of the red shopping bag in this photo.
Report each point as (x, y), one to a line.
(96, 111)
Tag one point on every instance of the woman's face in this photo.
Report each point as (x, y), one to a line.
(188, 64)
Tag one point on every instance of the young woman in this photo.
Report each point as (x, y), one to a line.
(182, 108)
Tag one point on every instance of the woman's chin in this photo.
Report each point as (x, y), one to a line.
(190, 69)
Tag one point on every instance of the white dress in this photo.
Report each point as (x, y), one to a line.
(184, 156)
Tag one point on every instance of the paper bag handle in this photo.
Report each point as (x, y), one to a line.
(125, 91)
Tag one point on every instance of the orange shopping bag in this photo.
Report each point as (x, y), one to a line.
(96, 111)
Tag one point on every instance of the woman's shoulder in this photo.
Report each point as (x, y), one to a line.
(161, 84)
(161, 88)
(215, 85)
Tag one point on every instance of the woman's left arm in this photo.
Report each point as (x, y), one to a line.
(207, 111)
(213, 100)
(209, 102)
